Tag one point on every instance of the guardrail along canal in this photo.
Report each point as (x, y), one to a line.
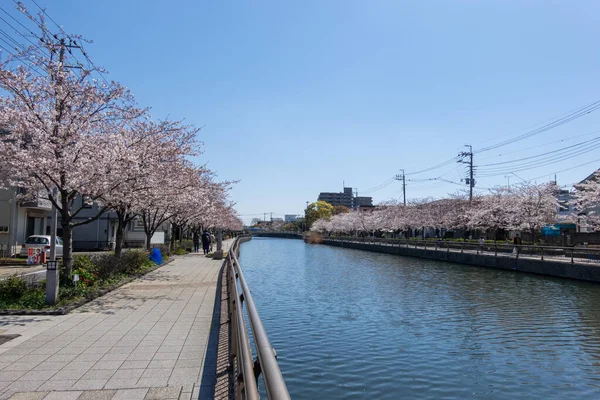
(351, 324)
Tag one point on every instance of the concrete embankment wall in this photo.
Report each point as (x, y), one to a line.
(560, 269)
(547, 267)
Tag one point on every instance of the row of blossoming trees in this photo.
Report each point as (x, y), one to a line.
(69, 137)
(524, 207)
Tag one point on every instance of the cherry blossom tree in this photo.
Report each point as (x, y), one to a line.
(534, 206)
(65, 131)
(587, 200)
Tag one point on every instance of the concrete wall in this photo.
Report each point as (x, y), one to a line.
(577, 271)
(553, 268)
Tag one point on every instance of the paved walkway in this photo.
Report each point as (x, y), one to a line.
(145, 340)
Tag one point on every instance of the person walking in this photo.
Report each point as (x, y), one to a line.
(196, 240)
(205, 242)
(517, 242)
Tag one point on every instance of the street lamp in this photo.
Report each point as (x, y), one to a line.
(52, 273)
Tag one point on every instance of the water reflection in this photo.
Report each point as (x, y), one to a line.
(349, 324)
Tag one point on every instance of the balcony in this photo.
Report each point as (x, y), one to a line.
(40, 203)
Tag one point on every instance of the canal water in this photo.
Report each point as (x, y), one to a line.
(350, 324)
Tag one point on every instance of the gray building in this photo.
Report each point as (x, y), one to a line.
(363, 201)
(290, 217)
(346, 199)
(338, 198)
(21, 219)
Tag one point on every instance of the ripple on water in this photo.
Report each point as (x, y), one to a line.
(349, 324)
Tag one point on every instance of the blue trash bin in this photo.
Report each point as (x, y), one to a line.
(156, 256)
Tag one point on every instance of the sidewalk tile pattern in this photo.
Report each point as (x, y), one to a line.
(145, 340)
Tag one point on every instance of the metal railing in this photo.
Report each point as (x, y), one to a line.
(246, 369)
(499, 249)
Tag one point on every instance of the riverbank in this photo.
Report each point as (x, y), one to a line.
(563, 267)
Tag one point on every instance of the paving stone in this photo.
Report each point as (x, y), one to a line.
(135, 364)
(68, 374)
(24, 386)
(22, 366)
(9, 375)
(28, 396)
(157, 373)
(185, 396)
(127, 383)
(152, 382)
(114, 357)
(79, 365)
(88, 357)
(128, 374)
(130, 394)
(57, 384)
(97, 395)
(163, 393)
(63, 395)
(38, 375)
(188, 363)
(162, 364)
(99, 374)
(166, 356)
(90, 384)
(114, 365)
(51, 365)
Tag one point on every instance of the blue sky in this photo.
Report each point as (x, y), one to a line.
(298, 97)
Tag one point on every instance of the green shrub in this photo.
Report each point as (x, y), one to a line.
(135, 260)
(12, 288)
(34, 298)
(130, 262)
(180, 251)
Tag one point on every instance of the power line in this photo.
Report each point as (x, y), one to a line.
(539, 163)
(16, 30)
(582, 111)
(543, 154)
(380, 186)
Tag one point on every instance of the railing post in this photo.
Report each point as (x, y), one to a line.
(461, 248)
(542, 248)
(572, 261)
(495, 250)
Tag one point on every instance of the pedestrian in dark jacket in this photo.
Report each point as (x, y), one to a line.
(196, 240)
(205, 241)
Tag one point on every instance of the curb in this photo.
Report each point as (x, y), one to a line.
(92, 296)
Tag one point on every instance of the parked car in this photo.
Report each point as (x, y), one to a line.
(41, 242)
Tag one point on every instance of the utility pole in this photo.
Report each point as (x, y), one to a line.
(264, 217)
(52, 274)
(403, 179)
(508, 179)
(271, 217)
(470, 181)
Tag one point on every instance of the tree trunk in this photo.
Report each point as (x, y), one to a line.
(148, 239)
(67, 238)
(172, 241)
(120, 237)
(180, 235)
(219, 240)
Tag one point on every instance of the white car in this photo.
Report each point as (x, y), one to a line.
(41, 243)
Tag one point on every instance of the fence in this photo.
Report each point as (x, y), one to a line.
(246, 369)
(549, 253)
